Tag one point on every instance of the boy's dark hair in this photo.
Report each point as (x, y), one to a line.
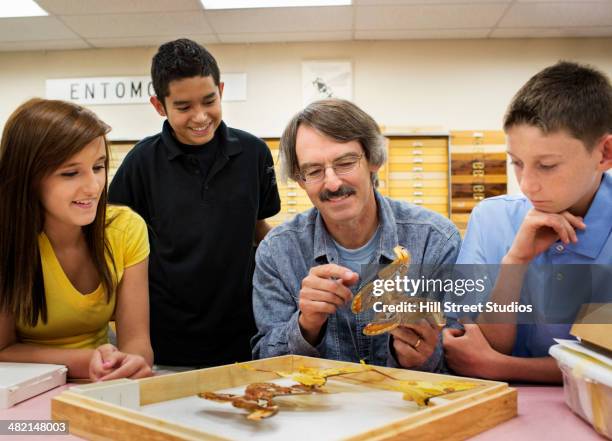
(180, 59)
(566, 96)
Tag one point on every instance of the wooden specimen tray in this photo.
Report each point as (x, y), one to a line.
(355, 407)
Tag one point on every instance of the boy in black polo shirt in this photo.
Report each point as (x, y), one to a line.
(204, 189)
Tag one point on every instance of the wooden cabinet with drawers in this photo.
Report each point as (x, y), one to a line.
(417, 171)
(478, 171)
(294, 200)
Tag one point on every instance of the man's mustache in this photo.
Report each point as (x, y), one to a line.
(344, 190)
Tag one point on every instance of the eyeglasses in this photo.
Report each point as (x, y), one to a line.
(343, 166)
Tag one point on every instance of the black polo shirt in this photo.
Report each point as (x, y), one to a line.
(201, 234)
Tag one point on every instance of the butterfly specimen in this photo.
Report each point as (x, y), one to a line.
(398, 312)
(258, 398)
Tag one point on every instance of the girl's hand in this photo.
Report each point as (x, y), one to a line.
(108, 363)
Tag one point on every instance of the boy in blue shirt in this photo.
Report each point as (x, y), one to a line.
(559, 137)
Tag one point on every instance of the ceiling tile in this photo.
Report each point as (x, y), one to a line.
(153, 41)
(138, 25)
(427, 34)
(600, 31)
(270, 37)
(422, 2)
(564, 1)
(12, 46)
(527, 15)
(88, 7)
(291, 20)
(34, 28)
(428, 16)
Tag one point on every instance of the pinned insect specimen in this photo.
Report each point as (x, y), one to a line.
(307, 376)
(421, 392)
(258, 398)
(397, 310)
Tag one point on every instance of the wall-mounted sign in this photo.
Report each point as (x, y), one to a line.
(127, 90)
(101, 90)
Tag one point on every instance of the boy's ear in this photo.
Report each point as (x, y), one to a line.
(159, 106)
(606, 150)
(221, 86)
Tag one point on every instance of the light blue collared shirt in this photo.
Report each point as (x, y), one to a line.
(491, 231)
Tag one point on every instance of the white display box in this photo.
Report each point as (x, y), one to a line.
(20, 381)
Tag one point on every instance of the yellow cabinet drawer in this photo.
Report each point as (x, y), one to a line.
(417, 151)
(463, 204)
(460, 217)
(486, 179)
(393, 176)
(425, 159)
(418, 168)
(419, 183)
(285, 191)
(426, 200)
(418, 192)
(273, 143)
(418, 142)
(476, 137)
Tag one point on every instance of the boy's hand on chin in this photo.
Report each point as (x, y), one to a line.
(539, 231)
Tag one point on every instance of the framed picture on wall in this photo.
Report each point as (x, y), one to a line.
(326, 79)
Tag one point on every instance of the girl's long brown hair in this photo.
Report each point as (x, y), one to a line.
(37, 139)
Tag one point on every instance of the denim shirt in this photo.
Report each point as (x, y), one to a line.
(288, 252)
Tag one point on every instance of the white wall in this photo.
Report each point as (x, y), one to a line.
(450, 84)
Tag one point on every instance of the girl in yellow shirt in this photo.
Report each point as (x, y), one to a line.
(68, 262)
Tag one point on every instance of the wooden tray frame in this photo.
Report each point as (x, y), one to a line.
(466, 414)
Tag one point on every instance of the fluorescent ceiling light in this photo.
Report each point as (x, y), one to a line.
(243, 4)
(20, 8)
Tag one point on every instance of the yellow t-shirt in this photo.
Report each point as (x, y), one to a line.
(76, 320)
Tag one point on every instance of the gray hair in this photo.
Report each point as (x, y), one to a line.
(340, 120)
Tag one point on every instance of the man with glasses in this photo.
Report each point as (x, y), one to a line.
(308, 269)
